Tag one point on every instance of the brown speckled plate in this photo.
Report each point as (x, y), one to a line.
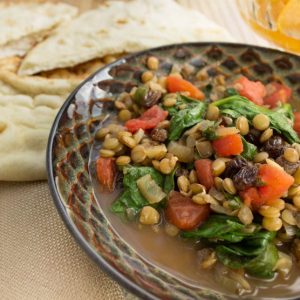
(71, 141)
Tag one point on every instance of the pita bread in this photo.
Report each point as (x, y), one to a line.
(23, 25)
(120, 27)
(34, 85)
(24, 140)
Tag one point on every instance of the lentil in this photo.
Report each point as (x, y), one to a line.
(119, 104)
(169, 102)
(260, 157)
(266, 135)
(213, 112)
(183, 183)
(152, 63)
(171, 229)
(193, 176)
(218, 183)
(204, 149)
(269, 211)
(101, 133)
(218, 166)
(224, 131)
(199, 199)
(278, 203)
(229, 186)
(245, 215)
(197, 188)
(123, 160)
(147, 76)
(149, 216)
(291, 155)
(297, 176)
(294, 191)
(106, 153)
(272, 224)
(124, 115)
(110, 143)
(296, 201)
(139, 135)
(127, 141)
(167, 165)
(242, 125)
(261, 122)
(288, 217)
(138, 154)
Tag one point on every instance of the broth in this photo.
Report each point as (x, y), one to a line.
(179, 256)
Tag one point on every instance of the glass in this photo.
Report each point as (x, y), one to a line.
(276, 20)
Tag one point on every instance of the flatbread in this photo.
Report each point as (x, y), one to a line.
(120, 27)
(23, 25)
(24, 139)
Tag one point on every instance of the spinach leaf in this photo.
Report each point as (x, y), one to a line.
(249, 150)
(234, 202)
(182, 100)
(237, 248)
(185, 118)
(219, 227)
(258, 265)
(287, 110)
(231, 92)
(169, 183)
(209, 129)
(236, 106)
(131, 196)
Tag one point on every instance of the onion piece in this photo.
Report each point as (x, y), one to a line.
(184, 153)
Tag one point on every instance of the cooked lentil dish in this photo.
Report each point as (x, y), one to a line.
(220, 170)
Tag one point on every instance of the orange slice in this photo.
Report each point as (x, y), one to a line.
(289, 19)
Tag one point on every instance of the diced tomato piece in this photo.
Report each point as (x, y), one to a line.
(277, 92)
(204, 172)
(182, 212)
(148, 120)
(252, 198)
(106, 173)
(253, 90)
(297, 122)
(228, 145)
(276, 182)
(176, 84)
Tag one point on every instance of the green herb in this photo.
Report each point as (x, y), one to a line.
(236, 106)
(256, 254)
(249, 150)
(234, 202)
(287, 110)
(231, 92)
(131, 196)
(182, 100)
(236, 248)
(187, 117)
(169, 183)
(219, 227)
(209, 129)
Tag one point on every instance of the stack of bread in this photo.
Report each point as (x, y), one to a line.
(47, 49)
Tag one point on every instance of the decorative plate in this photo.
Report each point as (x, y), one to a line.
(71, 145)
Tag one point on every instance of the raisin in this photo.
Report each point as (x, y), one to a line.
(233, 166)
(159, 134)
(151, 98)
(253, 136)
(289, 167)
(245, 177)
(274, 146)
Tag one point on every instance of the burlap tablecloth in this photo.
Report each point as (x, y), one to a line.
(39, 259)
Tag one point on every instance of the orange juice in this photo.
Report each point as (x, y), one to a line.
(276, 20)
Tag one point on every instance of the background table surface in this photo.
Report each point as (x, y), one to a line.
(38, 257)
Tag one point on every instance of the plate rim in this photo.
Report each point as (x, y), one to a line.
(76, 234)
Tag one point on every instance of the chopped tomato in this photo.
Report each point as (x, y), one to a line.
(297, 122)
(253, 90)
(228, 145)
(182, 212)
(148, 120)
(252, 198)
(106, 172)
(276, 182)
(176, 84)
(277, 92)
(204, 172)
